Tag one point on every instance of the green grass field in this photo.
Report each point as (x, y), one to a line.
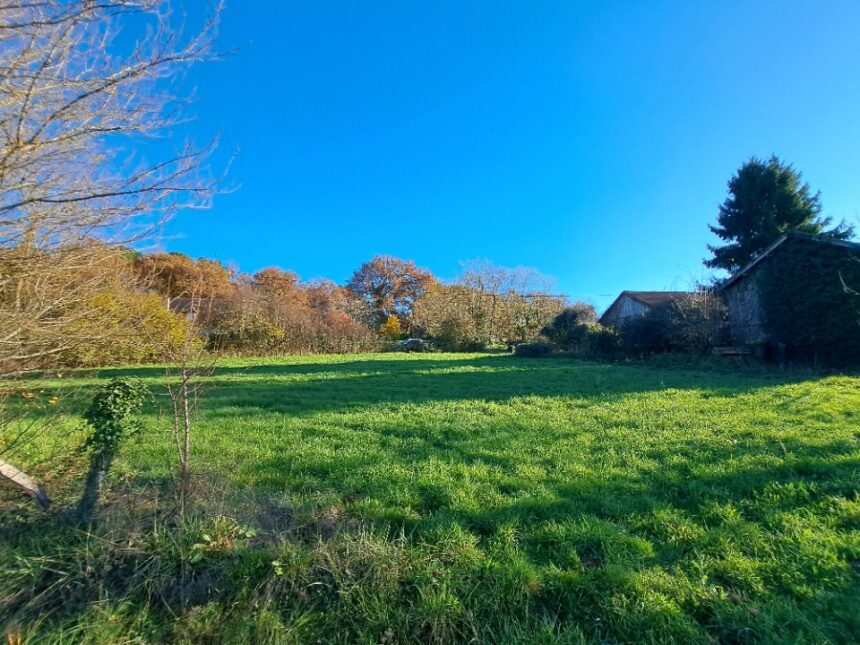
(459, 498)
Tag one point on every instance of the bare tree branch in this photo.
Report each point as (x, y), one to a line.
(79, 176)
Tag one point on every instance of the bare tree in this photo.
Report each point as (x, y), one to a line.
(78, 110)
(188, 365)
(508, 303)
(488, 303)
(186, 376)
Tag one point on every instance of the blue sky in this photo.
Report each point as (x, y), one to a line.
(592, 141)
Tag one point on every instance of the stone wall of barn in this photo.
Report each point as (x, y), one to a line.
(746, 320)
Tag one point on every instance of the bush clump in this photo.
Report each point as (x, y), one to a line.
(601, 344)
(122, 327)
(454, 334)
(569, 329)
(534, 349)
(693, 324)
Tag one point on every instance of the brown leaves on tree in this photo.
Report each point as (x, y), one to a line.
(390, 286)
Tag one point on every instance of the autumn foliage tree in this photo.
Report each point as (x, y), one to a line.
(175, 275)
(390, 287)
(273, 312)
(391, 328)
(280, 285)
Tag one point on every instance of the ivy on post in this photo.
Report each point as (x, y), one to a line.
(113, 415)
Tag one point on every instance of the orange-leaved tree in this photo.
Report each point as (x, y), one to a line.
(389, 286)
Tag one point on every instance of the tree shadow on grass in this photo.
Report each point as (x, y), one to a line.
(604, 508)
(683, 474)
(396, 364)
(346, 383)
(311, 389)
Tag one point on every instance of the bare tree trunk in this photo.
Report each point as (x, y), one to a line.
(186, 419)
(188, 365)
(185, 452)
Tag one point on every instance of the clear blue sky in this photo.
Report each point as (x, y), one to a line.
(592, 141)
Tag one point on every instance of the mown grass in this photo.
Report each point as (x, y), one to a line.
(441, 498)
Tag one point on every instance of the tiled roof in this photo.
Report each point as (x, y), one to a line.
(647, 298)
(654, 298)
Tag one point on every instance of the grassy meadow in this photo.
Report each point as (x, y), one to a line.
(394, 498)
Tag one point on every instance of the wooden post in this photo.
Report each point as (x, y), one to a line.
(21, 480)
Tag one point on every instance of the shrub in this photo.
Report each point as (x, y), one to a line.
(693, 324)
(601, 343)
(645, 335)
(480, 309)
(534, 349)
(252, 332)
(253, 329)
(454, 334)
(472, 346)
(569, 329)
(125, 327)
(112, 416)
(697, 323)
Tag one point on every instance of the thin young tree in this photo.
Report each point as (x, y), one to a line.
(188, 366)
(82, 97)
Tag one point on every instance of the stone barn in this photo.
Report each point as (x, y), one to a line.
(798, 293)
(632, 304)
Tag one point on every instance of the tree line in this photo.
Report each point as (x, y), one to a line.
(273, 311)
(130, 307)
(88, 302)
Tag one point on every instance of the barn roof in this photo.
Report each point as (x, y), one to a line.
(647, 298)
(779, 242)
(654, 298)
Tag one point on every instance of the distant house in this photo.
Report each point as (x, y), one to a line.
(188, 307)
(632, 304)
(194, 308)
(814, 290)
